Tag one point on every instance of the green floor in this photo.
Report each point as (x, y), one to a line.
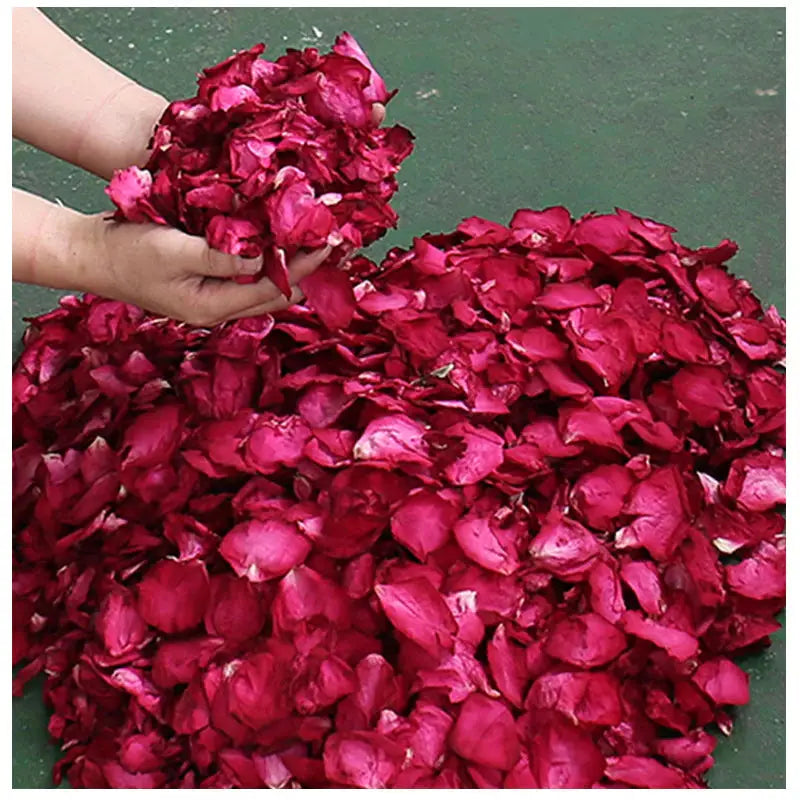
(673, 113)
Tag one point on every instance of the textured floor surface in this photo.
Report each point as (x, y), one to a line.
(673, 113)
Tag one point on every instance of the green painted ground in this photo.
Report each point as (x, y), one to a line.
(673, 113)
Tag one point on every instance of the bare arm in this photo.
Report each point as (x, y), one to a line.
(71, 104)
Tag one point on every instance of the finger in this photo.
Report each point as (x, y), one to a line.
(346, 256)
(216, 264)
(301, 265)
(272, 307)
(378, 113)
(217, 300)
(197, 258)
(220, 299)
(305, 263)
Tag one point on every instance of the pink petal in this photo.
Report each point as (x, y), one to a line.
(485, 733)
(260, 550)
(585, 640)
(723, 682)
(418, 611)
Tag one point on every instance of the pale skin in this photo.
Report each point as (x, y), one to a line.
(74, 106)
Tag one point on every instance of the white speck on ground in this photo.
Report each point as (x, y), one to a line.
(766, 92)
(131, 46)
(425, 94)
(684, 113)
(168, 30)
(316, 35)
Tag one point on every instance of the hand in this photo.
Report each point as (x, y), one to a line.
(169, 272)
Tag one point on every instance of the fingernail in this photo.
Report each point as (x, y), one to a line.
(250, 266)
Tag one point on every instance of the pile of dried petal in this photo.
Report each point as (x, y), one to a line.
(273, 157)
(506, 528)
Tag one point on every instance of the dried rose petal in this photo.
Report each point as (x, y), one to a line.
(644, 772)
(362, 759)
(565, 548)
(562, 755)
(497, 513)
(586, 640)
(395, 439)
(263, 549)
(508, 666)
(599, 496)
(645, 581)
(689, 752)
(723, 682)
(677, 643)
(763, 575)
(423, 522)
(485, 733)
(483, 454)
(153, 437)
(330, 294)
(659, 505)
(488, 543)
(418, 611)
(235, 610)
(173, 595)
(177, 662)
(585, 697)
(122, 629)
(276, 441)
(757, 482)
(255, 690)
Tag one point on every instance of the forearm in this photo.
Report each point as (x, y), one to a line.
(71, 104)
(49, 244)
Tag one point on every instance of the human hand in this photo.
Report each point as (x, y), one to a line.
(166, 271)
(169, 272)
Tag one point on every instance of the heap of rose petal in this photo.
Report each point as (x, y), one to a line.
(508, 527)
(270, 158)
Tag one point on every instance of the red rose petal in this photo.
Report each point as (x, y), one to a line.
(497, 513)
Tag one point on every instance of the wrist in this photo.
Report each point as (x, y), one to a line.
(117, 134)
(67, 251)
(44, 237)
(85, 253)
(143, 109)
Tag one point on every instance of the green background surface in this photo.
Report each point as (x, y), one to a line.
(673, 113)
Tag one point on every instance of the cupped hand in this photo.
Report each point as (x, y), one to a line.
(166, 271)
